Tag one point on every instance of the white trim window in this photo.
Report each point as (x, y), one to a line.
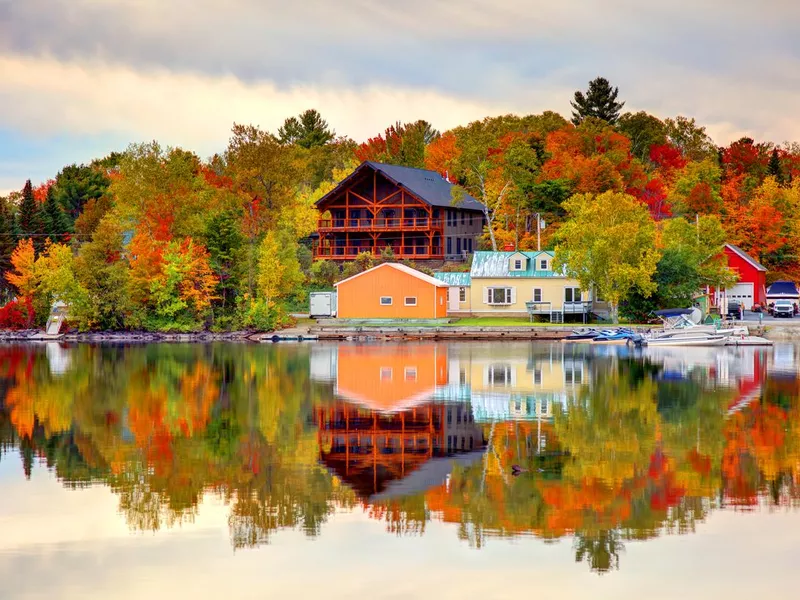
(410, 301)
(386, 300)
(499, 296)
(537, 294)
(462, 294)
(572, 294)
(500, 375)
(543, 265)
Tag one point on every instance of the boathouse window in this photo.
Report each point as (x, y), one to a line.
(499, 295)
(537, 294)
(462, 294)
(411, 301)
(386, 300)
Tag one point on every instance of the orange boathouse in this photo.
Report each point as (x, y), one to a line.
(391, 291)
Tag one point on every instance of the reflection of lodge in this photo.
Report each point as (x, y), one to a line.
(369, 449)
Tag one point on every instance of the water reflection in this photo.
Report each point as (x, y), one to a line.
(603, 445)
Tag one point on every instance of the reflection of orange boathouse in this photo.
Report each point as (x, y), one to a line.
(384, 423)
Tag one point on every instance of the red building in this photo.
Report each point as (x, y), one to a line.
(752, 285)
(408, 210)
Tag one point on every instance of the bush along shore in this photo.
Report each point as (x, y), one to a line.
(126, 337)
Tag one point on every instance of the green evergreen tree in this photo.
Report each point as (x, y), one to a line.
(28, 217)
(55, 223)
(774, 167)
(307, 130)
(224, 243)
(76, 185)
(600, 101)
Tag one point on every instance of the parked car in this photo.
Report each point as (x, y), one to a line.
(735, 310)
(783, 308)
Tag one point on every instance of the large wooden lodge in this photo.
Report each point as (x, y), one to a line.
(409, 210)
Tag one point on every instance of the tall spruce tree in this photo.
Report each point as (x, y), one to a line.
(28, 217)
(774, 167)
(55, 222)
(600, 101)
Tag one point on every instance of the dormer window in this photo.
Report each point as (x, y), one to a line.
(517, 262)
(543, 264)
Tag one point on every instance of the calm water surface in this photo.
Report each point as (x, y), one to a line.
(399, 471)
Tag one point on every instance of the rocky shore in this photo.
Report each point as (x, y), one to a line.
(130, 337)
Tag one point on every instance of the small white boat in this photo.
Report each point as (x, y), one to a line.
(750, 340)
(701, 340)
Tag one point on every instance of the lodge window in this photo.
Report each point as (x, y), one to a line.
(462, 294)
(572, 294)
(499, 295)
(410, 301)
(537, 294)
(463, 218)
(386, 300)
(469, 244)
(458, 245)
(449, 245)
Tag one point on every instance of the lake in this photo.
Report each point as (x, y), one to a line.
(409, 470)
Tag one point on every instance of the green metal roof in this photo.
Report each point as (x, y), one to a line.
(454, 279)
(490, 265)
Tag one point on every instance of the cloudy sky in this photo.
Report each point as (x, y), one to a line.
(80, 78)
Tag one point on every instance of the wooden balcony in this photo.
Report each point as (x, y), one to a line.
(379, 224)
(351, 252)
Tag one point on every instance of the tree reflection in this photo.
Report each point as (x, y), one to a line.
(627, 454)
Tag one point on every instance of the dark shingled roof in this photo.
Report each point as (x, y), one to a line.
(427, 185)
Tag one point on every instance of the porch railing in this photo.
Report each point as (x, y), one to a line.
(351, 252)
(379, 224)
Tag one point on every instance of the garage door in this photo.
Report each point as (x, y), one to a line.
(743, 293)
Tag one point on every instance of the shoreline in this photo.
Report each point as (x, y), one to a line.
(371, 333)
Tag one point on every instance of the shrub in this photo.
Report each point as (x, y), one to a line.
(17, 314)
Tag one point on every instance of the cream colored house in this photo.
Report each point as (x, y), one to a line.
(521, 283)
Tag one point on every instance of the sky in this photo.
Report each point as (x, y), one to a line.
(81, 78)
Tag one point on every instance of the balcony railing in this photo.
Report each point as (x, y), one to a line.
(351, 252)
(380, 224)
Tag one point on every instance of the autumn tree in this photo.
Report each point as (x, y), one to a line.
(8, 242)
(102, 270)
(401, 144)
(75, 185)
(224, 242)
(23, 277)
(608, 245)
(690, 138)
(643, 130)
(600, 101)
(306, 130)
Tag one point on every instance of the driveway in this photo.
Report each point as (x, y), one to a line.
(751, 316)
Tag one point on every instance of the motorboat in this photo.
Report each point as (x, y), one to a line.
(620, 336)
(700, 340)
(677, 323)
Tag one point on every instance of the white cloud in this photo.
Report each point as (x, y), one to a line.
(45, 97)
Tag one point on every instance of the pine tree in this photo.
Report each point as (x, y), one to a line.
(307, 130)
(600, 101)
(774, 167)
(28, 217)
(55, 222)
